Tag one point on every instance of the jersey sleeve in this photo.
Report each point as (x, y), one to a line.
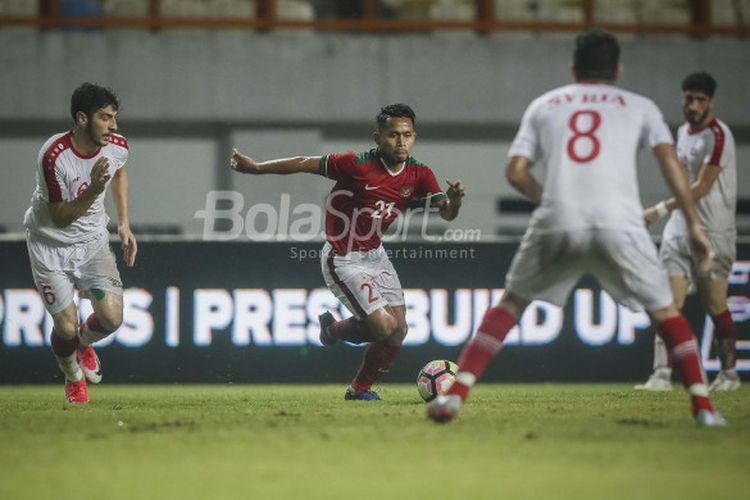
(338, 166)
(120, 151)
(53, 177)
(526, 142)
(655, 130)
(715, 147)
(428, 187)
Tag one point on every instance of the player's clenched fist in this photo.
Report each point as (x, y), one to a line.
(100, 175)
(455, 192)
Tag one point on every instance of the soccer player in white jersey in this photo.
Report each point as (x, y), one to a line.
(67, 237)
(705, 147)
(589, 219)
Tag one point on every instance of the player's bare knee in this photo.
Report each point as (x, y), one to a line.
(513, 304)
(399, 334)
(66, 323)
(393, 328)
(111, 320)
(661, 315)
(715, 305)
(66, 330)
(109, 312)
(385, 327)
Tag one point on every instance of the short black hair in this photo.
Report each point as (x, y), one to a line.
(700, 82)
(596, 56)
(395, 110)
(89, 97)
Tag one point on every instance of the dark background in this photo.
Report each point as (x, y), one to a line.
(191, 265)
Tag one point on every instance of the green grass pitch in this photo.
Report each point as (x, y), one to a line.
(305, 442)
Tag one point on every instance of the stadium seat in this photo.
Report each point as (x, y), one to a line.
(539, 10)
(618, 11)
(19, 8)
(81, 8)
(413, 9)
(457, 10)
(295, 9)
(666, 12)
(730, 13)
(126, 8)
(516, 10)
(208, 8)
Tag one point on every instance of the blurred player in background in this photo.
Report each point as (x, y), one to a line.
(705, 147)
(589, 219)
(67, 237)
(371, 190)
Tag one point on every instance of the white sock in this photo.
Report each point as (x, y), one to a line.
(87, 336)
(466, 378)
(661, 355)
(69, 366)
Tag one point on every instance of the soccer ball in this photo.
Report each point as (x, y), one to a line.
(436, 377)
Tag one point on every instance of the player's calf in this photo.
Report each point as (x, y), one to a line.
(64, 350)
(683, 348)
(384, 326)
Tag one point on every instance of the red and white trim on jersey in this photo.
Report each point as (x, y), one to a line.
(718, 143)
(719, 139)
(49, 163)
(356, 307)
(118, 140)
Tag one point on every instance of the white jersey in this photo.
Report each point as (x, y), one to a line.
(62, 174)
(588, 135)
(713, 145)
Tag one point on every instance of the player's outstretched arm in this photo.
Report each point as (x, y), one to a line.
(64, 213)
(450, 207)
(119, 188)
(246, 165)
(518, 173)
(678, 184)
(707, 175)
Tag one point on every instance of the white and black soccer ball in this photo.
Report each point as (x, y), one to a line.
(435, 378)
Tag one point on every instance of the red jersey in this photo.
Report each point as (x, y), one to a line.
(368, 197)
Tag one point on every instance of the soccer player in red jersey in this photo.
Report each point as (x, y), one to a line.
(371, 190)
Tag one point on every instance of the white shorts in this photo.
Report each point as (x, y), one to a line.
(548, 266)
(363, 281)
(59, 269)
(676, 256)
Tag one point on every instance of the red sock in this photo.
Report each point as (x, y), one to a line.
(725, 332)
(91, 331)
(63, 347)
(480, 350)
(351, 330)
(378, 359)
(93, 323)
(683, 348)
